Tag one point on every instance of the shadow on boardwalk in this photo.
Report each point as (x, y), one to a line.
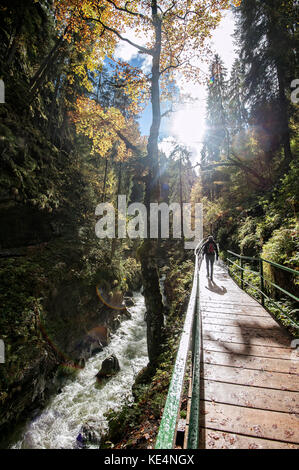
(213, 287)
(249, 333)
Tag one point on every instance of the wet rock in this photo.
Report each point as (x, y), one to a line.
(93, 342)
(129, 302)
(89, 433)
(126, 314)
(110, 366)
(129, 293)
(82, 362)
(90, 346)
(116, 321)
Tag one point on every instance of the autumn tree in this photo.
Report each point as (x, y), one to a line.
(175, 36)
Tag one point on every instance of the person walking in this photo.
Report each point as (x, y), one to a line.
(210, 250)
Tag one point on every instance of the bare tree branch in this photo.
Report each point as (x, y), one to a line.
(126, 10)
(167, 112)
(142, 49)
(179, 64)
(168, 9)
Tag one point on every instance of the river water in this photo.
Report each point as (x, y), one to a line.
(82, 399)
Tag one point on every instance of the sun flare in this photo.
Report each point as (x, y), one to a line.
(188, 126)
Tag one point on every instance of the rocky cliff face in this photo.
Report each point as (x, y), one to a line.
(52, 321)
(50, 259)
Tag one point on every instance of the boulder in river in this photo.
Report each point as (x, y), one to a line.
(89, 433)
(129, 302)
(93, 342)
(110, 366)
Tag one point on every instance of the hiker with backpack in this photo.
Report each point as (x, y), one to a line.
(209, 250)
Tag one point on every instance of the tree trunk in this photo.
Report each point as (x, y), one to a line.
(53, 103)
(13, 44)
(148, 252)
(181, 202)
(113, 244)
(39, 76)
(285, 133)
(40, 79)
(105, 180)
(279, 40)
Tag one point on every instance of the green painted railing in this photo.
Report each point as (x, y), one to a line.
(190, 338)
(263, 280)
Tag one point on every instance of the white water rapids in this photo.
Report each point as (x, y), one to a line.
(58, 426)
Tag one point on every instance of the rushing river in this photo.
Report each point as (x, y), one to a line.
(82, 399)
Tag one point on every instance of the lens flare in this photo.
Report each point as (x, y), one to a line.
(113, 300)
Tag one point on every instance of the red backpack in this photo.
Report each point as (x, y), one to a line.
(211, 248)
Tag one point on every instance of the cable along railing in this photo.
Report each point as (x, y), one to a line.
(190, 340)
(263, 281)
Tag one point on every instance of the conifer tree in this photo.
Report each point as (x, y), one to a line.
(268, 38)
(217, 137)
(237, 112)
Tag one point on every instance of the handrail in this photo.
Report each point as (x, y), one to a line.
(242, 256)
(243, 269)
(266, 280)
(276, 265)
(167, 430)
(193, 434)
(263, 280)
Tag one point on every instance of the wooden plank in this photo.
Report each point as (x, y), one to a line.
(255, 350)
(210, 439)
(251, 397)
(274, 330)
(222, 312)
(238, 314)
(226, 291)
(250, 331)
(250, 373)
(251, 362)
(251, 378)
(236, 304)
(251, 422)
(236, 301)
(243, 339)
(239, 305)
(231, 320)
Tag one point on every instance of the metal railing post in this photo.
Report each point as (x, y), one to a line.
(242, 274)
(262, 282)
(228, 264)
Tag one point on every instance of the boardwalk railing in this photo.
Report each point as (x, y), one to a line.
(190, 338)
(262, 280)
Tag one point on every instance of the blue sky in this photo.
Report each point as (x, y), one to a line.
(186, 125)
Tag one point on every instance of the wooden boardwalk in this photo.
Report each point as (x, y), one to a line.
(250, 374)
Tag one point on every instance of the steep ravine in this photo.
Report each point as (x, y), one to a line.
(84, 400)
(51, 316)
